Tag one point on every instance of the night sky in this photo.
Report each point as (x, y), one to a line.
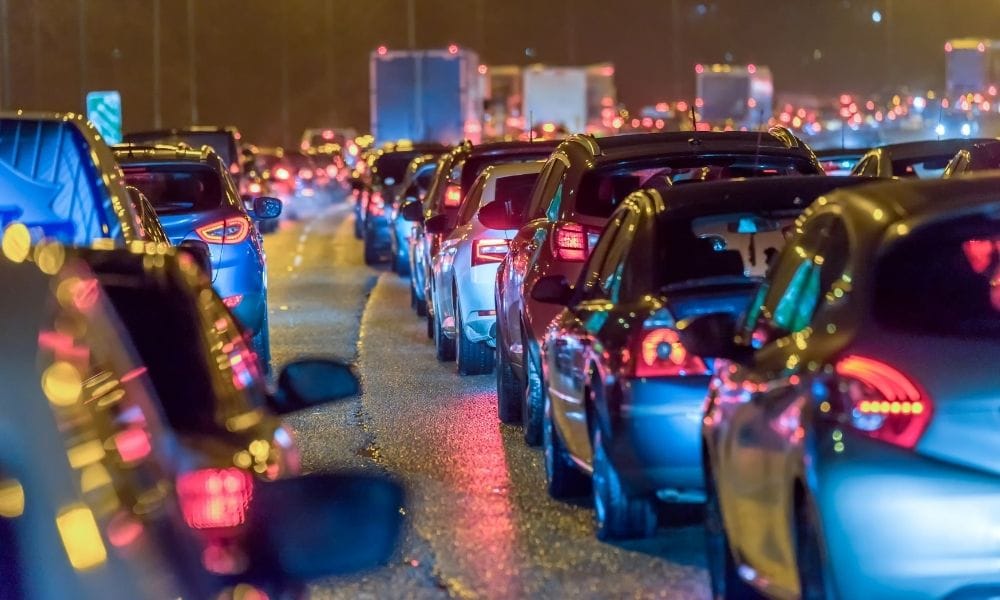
(812, 46)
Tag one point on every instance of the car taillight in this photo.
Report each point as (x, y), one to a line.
(570, 242)
(233, 301)
(227, 231)
(281, 174)
(882, 402)
(211, 498)
(305, 173)
(331, 170)
(254, 188)
(453, 196)
(376, 205)
(488, 251)
(661, 354)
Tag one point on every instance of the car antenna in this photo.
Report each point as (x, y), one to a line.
(694, 118)
(531, 126)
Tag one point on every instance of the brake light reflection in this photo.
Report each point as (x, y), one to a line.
(211, 498)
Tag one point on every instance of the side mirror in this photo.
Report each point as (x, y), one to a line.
(436, 224)
(552, 289)
(312, 381)
(318, 526)
(266, 207)
(713, 336)
(412, 211)
(496, 215)
(198, 250)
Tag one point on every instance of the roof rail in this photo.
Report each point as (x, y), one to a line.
(588, 140)
(784, 135)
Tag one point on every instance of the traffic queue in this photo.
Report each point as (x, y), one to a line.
(709, 319)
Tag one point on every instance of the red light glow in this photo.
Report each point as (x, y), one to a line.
(885, 404)
(570, 242)
(453, 196)
(211, 498)
(232, 302)
(382, 50)
(282, 174)
(661, 354)
(452, 49)
(132, 444)
(227, 231)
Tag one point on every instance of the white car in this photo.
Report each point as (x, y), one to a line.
(464, 271)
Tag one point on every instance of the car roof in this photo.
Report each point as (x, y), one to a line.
(190, 129)
(908, 150)
(517, 168)
(513, 147)
(142, 153)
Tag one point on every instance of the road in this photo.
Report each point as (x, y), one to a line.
(479, 522)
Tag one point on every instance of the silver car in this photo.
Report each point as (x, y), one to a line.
(852, 425)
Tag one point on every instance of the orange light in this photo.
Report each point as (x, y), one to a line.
(254, 188)
(281, 174)
(227, 231)
(662, 355)
(549, 127)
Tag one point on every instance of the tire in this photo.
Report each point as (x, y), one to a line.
(617, 516)
(444, 348)
(372, 256)
(562, 478)
(473, 358)
(261, 343)
(532, 405)
(725, 581)
(813, 580)
(509, 389)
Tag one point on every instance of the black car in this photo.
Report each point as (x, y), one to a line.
(922, 160)
(981, 156)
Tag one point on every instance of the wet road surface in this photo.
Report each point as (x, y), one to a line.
(479, 522)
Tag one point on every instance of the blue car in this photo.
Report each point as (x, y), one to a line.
(415, 184)
(198, 202)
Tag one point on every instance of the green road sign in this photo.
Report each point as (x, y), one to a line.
(104, 110)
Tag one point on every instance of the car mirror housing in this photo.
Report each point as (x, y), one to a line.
(266, 207)
(552, 289)
(412, 211)
(497, 215)
(318, 526)
(311, 382)
(713, 336)
(436, 224)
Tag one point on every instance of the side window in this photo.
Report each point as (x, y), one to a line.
(548, 189)
(470, 205)
(865, 167)
(611, 271)
(588, 287)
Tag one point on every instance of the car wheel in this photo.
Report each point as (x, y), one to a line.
(617, 515)
(562, 478)
(371, 252)
(532, 407)
(723, 577)
(473, 358)
(809, 554)
(261, 343)
(509, 389)
(443, 346)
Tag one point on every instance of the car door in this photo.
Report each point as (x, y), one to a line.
(443, 269)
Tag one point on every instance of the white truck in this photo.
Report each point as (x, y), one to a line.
(736, 95)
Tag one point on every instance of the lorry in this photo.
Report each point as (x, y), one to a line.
(734, 95)
(425, 95)
(972, 66)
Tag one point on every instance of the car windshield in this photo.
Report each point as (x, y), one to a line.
(604, 188)
(939, 280)
(738, 244)
(220, 141)
(922, 167)
(177, 188)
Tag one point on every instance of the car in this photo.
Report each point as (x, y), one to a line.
(465, 267)
(457, 171)
(413, 188)
(382, 183)
(623, 398)
(81, 198)
(925, 159)
(980, 156)
(224, 140)
(101, 498)
(840, 162)
(198, 202)
(576, 194)
(849, 433)
(320, 136)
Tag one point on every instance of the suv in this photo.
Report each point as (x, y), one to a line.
(198, 202)
(224, 140)
(576, 193)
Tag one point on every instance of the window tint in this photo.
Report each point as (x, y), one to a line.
(548, 189)
(587, 287)
(515, 190)
(470, 205)
(610, 277)
(173, 189)
(923, 167)
(940, 280)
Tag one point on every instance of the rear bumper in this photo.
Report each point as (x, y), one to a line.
(900, 525)
(656, 436)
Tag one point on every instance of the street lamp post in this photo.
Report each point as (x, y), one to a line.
(192, 73)
(157, 114)
(5, 48)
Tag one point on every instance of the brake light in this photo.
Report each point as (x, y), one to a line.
(255, 188)
(233, 301)
(661, 354)
(488, 251)
(376, 205)
(570, 242)
(211, 498)
(453, 196)
(227, 231)
(306, 173)
(883, 403)
(281, 174)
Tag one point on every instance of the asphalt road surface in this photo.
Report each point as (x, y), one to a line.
(479, 522)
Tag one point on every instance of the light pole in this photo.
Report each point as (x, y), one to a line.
(285, 109)
(157, 110)
(192, 73)
(82, 33)
(5, 48)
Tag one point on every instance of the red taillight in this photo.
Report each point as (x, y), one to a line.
(132, 444)
(661, 354)
(234, 169)
(452, 196)
(376, 205)
(233, 301)
(254, 188)
(228, 231)
(305, 173)
(211, 498)
(281, 174)
(488, 251)
(570, 242)
(883, 403)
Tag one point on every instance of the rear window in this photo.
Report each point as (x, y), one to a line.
(390, 168)
(222, 142)
(603, 189)
(937, 280)
(475, 165)
(515, 189)
(178, 189)
(923, 167)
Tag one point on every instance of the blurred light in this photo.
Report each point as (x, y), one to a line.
(483, 69)
(617, 122)
(85, 453)
(382, 50)
(966, 130)
(549, 127)
(876, 16)
(214, 497)
(919, 103)
(940, 129)
(751, 68)
(254, 188)
(981, 47)
(945, 103)
(123, 529)
(11, 499)
(662, 107)
(16, 242)
(133, 444)
(845, 99)
(49, 257)
(699, 102)
(327, 134)
(81, 538)
(94, 476)
(751, 103)
(682, 106)
(62, 383)
(948, 47)
(452, 49)
(870, 105)
(699, 68)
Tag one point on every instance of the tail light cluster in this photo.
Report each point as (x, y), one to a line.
(213, 498)
(572, 242)
(452, 196)
(488, 251)
(661, 354)
(881, 402)
(227, 231)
